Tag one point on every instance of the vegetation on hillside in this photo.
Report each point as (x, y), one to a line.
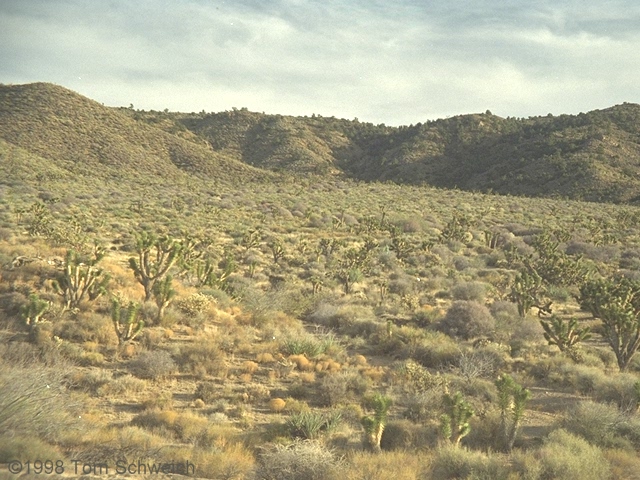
(321, 327)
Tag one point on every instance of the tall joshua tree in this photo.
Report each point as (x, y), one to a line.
(156, 255)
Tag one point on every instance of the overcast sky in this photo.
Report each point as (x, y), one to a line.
(393, 62)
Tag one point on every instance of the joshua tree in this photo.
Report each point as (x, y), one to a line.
(164, 294)
(81, 277)
(617, 304)
(527, 291)
(374, 424)
(454, 424)
(566, 335)
(125, 321)
(32, 313)
(512, 399)
(156, 255)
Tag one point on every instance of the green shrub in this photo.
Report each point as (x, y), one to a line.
(452, 462)
(567, 457)
(470, 291)
(468, 319)
(301, 460)
(154, 365)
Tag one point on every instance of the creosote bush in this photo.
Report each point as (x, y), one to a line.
(468, 319)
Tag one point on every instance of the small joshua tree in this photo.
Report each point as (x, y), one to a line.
(454, 424)
(164, 295)
(374, 424)
(32, 313)
(527, 291)
(81, 278)
(566, 335)
(125, 320)
(512, 399)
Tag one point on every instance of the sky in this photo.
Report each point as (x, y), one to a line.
(392, 62)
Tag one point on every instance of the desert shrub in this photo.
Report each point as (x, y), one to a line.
(480, 363)
(434, 350)
(159, 401)
(309, 425)
(487, 432)
(597, 423)
(405, 434)
(154, 364)
(450, 462)
(35, 401)
(194, 304)
(470, 291)
(423, 406)
(277, 405)
(624, 464)
(503, 310)
(619, 389)
(26, 448)
(567, 457)
(468, 319)
(207, 392)
(301, 460)
(231, 461)
(342, 388)
(125, 384)
(395, 465)
(204, 356)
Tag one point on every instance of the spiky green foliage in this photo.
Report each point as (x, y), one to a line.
(164, 294)
(454, 423)
(512, 401)
(156, 255)
(374, 424)
(310, 425)
(527, 291)
(125, 321)
(553, 265)
(81, 278)
(354, 265)
(617, 304)
(33, 311)
(566, 335)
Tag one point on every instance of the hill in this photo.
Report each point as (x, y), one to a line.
(87, 138)
(591, 156)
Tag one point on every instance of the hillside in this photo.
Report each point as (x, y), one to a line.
(87, 138)
(593, 156)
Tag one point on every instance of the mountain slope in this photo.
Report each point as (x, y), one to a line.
(87, 138)
(591, 156)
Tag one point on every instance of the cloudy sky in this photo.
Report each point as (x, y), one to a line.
(393, 62)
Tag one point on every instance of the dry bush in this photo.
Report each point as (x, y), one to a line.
(277, 405)
(159, 401)
(342, 388)
(405, 434)
(470, 291)
(125, 385)
(154, 365)
(624, 464)
(602, 425)
(455, 462)
(233, 462)
(468, 319)
(567, 457)
(35, 401)
(24, 448)
(203, 356)
(128, 443)
(249, 367)
(396, 465)
(301, 460)
(264, 357)
(208, 392)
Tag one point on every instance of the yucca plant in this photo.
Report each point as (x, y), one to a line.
(374, 424)
(454, 423)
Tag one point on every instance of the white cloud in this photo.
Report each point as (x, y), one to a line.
(395, 63)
